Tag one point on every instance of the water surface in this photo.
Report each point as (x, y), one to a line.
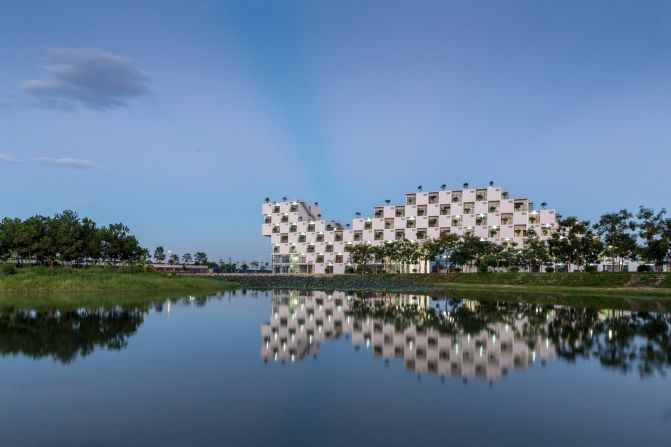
(330, 368)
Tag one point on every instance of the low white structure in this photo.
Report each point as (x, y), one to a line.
(303, 242)
(181, 268)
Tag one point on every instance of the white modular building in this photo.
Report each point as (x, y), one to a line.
(304, 242)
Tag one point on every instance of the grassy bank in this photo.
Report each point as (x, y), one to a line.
(619, 290)
(641, 283)
(42, 279)
(591, 280)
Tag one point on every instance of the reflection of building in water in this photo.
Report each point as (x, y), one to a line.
(300, 322)
(489, 353)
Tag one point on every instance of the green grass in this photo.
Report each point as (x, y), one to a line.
(42, 279)
(650, 291)
(41, 287)
(595, 280)
(621, 290)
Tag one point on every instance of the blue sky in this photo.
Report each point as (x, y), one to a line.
(179, 118)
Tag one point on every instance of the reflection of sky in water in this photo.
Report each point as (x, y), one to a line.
(190, 374)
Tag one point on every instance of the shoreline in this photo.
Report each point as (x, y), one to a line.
(606, 291)
(67, 287)
(607, 283)
(652, 298)
(56, 287)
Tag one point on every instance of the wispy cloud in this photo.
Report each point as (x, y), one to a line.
(89, 78)
(73, 163)
(7, 158)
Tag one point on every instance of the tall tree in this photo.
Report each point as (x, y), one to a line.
(361, 255)
(9, 233)
(159, 254)
(118, 245)
(652, 227)
(200, 258)
(90, 242)
(447, 243)
(35, 240)
(666, 235)
(568, 243)
(615, 229)
(535, 252)
(131, 251)
(65, 234)
(468, 251)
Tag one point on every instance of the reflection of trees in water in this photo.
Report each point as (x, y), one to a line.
(66, 335)
(623, 340)
(451, 316)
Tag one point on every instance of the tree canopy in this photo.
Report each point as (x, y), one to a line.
(67, 238)
(576, 243)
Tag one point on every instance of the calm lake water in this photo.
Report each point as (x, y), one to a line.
(317, 369)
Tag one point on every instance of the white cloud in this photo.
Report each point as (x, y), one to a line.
(87, 77)
(7, 158)
(74, 163)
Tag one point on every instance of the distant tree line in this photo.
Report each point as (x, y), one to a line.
(160, 256)
(577, 244)
(66, 238)
(239, 266)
